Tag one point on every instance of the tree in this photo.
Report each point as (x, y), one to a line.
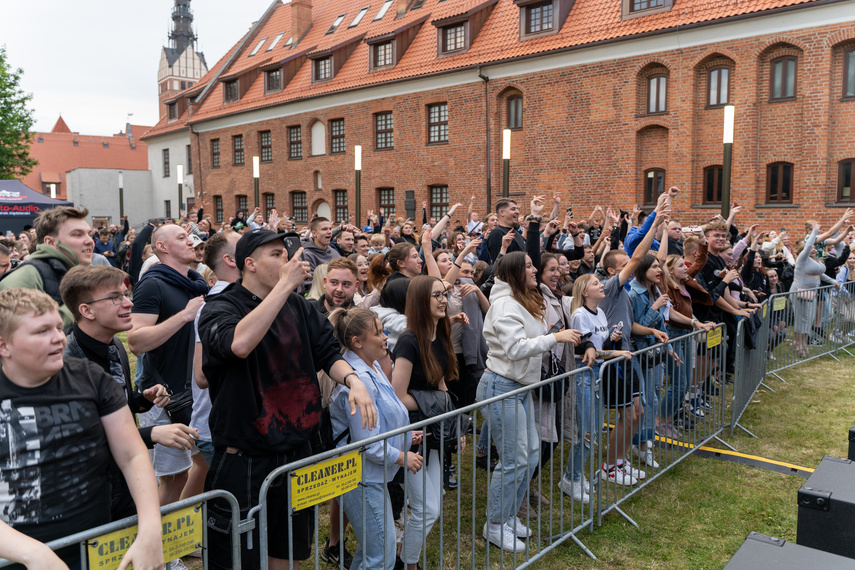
(15, 123)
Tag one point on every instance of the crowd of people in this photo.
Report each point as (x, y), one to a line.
(256, 338)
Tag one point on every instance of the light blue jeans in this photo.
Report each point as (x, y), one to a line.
(680, 376)
(587, 410)
(375, 520)
(512, 429)
(651, 384)
(424, 496)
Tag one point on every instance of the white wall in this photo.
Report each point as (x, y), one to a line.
(98, 190)
(166, 188)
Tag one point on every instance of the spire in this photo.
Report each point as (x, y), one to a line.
(182, 34)
(60, 126)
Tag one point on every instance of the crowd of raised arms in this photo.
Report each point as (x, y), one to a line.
(252, 336)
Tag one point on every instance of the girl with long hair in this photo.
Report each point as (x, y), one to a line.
(369, 507)
(424, 360)
(362, 266)
(517, 336)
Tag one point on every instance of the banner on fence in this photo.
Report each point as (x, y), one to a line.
(714, 338)
(323, 481)
(779, 304)
(182, 534)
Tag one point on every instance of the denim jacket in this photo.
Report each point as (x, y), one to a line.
(391, 414)
(644, 314)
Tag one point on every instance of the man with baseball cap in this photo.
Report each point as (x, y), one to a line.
(262, 346)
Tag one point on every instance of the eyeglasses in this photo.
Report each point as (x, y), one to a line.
(439, 295)
(117, 298)
(721, 236)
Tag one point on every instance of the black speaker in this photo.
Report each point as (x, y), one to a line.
(827, 508)
(761, 551)
(852, 443)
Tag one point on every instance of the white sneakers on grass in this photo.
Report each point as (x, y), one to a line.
(576, 490)
(646, 456)
(507, 535)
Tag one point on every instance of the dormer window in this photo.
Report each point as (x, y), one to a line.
(172, 111)
(273, 80)
(230, 91)
(257, 47)
(638, 8)
(538, 17)
(453, 38)
(383, 9)
(323, 69)
(336, 24)
(542, 17)
(383, 54)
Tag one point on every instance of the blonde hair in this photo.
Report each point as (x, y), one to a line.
(16, 303)
(318, 282)
(580, 285)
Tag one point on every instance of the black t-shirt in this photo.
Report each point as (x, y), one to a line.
(270, 401)
(170, 363)
(54, 453)
(408, 347)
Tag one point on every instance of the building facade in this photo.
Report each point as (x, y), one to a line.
(608, 103)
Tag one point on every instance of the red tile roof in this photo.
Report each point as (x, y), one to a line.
(57, 154)
(60, 126)
(589, 22)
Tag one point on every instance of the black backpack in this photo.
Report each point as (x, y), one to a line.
(50, 270)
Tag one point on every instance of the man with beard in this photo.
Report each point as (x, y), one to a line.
(508, 213)
(339, 286)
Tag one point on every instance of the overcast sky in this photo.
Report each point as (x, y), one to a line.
(96, 61)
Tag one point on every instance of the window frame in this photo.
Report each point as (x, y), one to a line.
(189, 151)
(376, 48)
(386, 200)
(295, 143)
(218, 210)
(171, 111)
(717, 171)
(772, 64)
(650, 79)
(719, 103)
(269, 80)
(340, 205)
(655, 171)
(387, 134)
(444, 33)
(300, 211)
(268, 203)
(781, 165)
(437, 124)
(848, 65)
(437, 209)
(529, 9)
(215, 153)
(167, 208)
(238, 150)
(242, 203)
(512, 101)
(231, 91)
(841, 167)
(337, 139)
(164, 157)
(265, 147)
(322, 64)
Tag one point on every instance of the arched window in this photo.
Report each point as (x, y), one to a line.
(515, 112)
(319, 139)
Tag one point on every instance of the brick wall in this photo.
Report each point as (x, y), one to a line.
(586, 135)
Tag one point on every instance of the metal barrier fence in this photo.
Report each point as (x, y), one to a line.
(103, 546)
(554, 519)
(844, 312)
(680, 386)
(752, 355)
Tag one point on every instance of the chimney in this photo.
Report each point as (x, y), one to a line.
(301, 20)
(402, 6)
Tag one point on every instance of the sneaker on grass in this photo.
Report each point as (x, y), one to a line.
(520, 530)
(574, 489)
(646, 456)
(617, 474)
(503, 536)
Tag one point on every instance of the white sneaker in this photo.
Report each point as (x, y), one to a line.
(516, 525)
(618, 475)
(574, 490)
(637, 473)
(176, 564)
(646, 456)
(503, 537)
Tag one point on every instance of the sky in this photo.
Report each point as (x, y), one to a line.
(96, 61)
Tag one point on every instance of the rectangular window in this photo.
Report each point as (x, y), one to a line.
(844, 180)
(166, 163)
(654, 185)
(215, 153)
(241, 203)
(438, 201)
(336, 24)
(167, 208)
(453, 38)
(189, 161)
(295, 142)
(299, 209)
(438, 123)
(269, 202)
(172, 111)
(383, 54)
(340, 205)
(359, 16)
(231, 91)
(712, 184)
(237, 148)
(383, 9)
(257, 47)
(274, 80)
(384, 136)
(265, 143)
(386, 200)
(718, 83)
(275, 41)
(779, 183)
(782, 78)
(515, 110)
(657, 92)
(645, 4)
(538, 17)
(218, 209)
(849, 73)
(323, 69)
(337, 136)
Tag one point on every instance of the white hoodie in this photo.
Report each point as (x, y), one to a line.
(516, 340)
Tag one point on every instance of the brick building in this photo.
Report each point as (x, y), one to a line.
(608, 102)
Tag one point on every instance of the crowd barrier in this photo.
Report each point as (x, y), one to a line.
(184, 527)
(752, 355)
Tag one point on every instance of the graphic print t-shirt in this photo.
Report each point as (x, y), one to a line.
(54, 452)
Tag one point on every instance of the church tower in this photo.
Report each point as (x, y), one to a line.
(181, 66)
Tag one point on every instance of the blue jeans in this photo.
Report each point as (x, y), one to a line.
(512, 429)
(424, 495)
(680, 376)
(651, 383)
(375, 520)
(587, 410)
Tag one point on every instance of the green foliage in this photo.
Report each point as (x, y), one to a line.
(15, 123)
